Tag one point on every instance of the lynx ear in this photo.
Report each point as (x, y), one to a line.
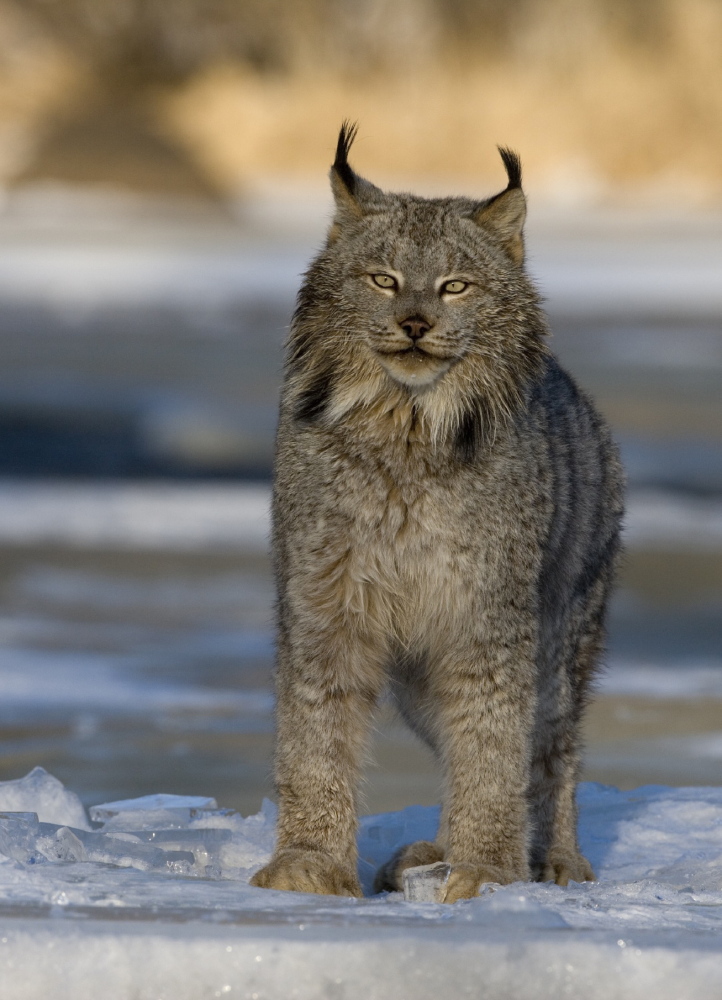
(354, 196)
(504, 214)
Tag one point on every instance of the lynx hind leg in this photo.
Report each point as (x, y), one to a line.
(555, 854)
(389, 876)
(558, 858)
(555, 850)
(566, 867)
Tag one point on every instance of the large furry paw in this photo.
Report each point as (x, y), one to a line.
(465, 880)
(389, 876)
(564, 867)
(299, 870)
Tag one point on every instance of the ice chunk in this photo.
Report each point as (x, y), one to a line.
(19, 817)
(157, 801)
(18, 831)
(41, 793)
(210, 839)
(61, 844)
(205, 844)
(151, 803)
(426, 883)
(207, 818)
(134, 820)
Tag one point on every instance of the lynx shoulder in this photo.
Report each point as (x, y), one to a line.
(446, 517)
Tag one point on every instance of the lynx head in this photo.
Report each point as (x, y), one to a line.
(418, 296)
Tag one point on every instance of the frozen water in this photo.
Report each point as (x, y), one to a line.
(151, 812)
(169, 912)
(40, 792)
(180, 834)
(18, 836)
(148, 819)
(62, 845)
(149, 802)
(426, 883)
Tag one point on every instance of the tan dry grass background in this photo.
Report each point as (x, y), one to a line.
(38, 78)
(603, 99)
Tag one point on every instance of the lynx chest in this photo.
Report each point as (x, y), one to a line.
(406, 548)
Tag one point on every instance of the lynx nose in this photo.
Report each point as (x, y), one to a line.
(415, 327)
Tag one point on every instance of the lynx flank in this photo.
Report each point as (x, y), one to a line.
(445, 526)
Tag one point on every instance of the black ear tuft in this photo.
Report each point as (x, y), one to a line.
(512, 164)
(504, 214)
(345, 140)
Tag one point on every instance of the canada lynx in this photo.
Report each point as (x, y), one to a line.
(446, 520)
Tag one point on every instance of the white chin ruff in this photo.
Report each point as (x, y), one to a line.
(419, 374)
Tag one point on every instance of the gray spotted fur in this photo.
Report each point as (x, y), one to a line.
(446, 521)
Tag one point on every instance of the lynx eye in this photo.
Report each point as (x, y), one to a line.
(455, 287)
(384, 281)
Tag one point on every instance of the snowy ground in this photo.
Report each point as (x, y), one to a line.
(154, 902)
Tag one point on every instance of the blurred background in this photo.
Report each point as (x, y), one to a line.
(162, 186)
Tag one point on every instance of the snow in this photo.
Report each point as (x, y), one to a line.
(630, 279)
(87, 275)
(38, 678)
(679, 680)
(134, 516)
(660, 519)
(162, 908)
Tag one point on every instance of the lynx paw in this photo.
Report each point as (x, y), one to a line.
(299, 870)
(465, 880)
(564, 868)
(389, 876)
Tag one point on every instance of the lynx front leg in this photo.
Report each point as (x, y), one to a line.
(324, 707)
(485, 729)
